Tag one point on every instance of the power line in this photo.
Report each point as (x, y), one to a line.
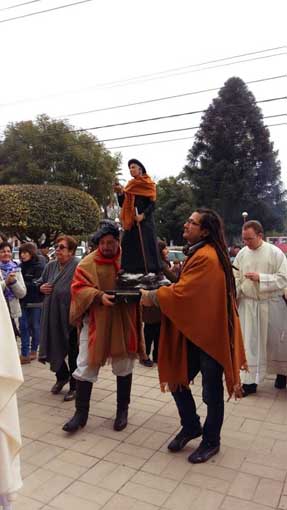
(143, 135)
(19, 5)
(176, 139)
(42, 12)
(126, 81)
(153, 119)
(164, 98)
(164, 117)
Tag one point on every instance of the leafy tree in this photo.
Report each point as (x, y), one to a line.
(174, 205)
(33, 210)
(49, 151)
(232, 165)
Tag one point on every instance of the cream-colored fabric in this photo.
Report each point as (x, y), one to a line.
(262, 310)
(10, 379)
(83, 372)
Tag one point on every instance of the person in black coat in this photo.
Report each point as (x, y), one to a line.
(32, 267)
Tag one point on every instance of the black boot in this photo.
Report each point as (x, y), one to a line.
(280, 382)
(124, 385)
(80, 418)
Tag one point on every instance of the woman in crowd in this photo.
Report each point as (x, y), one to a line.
(10, 438)
(57, 338)
(32, 268)
(12, 283)
(137, 201)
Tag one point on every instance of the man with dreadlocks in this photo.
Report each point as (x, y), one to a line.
(200, 332)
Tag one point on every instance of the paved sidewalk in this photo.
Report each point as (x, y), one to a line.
(98, 468)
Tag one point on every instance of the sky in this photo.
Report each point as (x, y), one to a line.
(100, 54)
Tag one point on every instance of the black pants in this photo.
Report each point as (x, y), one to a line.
(151, 334)
(64, 371)
(212, 395)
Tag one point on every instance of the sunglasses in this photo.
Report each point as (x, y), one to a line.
(60, 247)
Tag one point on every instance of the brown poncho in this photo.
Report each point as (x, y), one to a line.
(143, 186)
(195, 308)
(114, 332)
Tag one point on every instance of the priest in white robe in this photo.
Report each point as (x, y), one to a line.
(261, 277)
(10, 438)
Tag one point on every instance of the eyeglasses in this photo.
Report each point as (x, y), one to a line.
(60, 247)
(249, 238)
(192, 222)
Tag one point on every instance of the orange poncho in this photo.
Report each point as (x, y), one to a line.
(114, 332)
(143, 186)
(195, 308)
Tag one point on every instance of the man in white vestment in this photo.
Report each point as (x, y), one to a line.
(261, 277)
(10, 438)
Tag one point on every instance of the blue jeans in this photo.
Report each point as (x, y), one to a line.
(30, 326)
(212, 395)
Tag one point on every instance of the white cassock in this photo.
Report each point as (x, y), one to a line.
(10, 438)
(262, 310)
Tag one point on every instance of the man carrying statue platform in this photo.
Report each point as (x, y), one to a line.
(109, 330)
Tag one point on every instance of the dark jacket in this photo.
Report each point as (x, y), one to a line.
(31, 271)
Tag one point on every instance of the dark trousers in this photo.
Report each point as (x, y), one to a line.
(212, 395)
(64, 373)
(30, 326)
(151, 334)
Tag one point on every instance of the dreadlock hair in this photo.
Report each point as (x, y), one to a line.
(212, 222)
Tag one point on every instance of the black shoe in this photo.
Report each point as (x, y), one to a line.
(182, 438)
(203, 453)
(70, 395)
(280, 382)
(248, 389)
(147, 362)
(78, 421)
(58, 386)
(121, 420)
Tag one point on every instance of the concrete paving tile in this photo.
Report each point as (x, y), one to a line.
(49, 489)
(27, 469)
(45, 455)
(89, 492)
(268, 492)
(243, 486)
(35, 480)
(263, 471)
(207, 482)
(115, 480)
(121, 502)
(154, 496)
(103, 446)
(157, 463)
(70, 470)
(233, 458)
(125, 459)
(154, 481)
(158, 422)
(183, 497)
(272, 460)
(283, 503)
(251, 426)
(215, 471)
(231, 503)
(68, 501)
(76, 458)
(24, 503)
(177, 467)
(97, 473)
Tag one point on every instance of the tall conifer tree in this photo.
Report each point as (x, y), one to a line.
(232, 165)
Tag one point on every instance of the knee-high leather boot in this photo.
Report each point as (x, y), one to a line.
(124, 385)
(80, 418)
